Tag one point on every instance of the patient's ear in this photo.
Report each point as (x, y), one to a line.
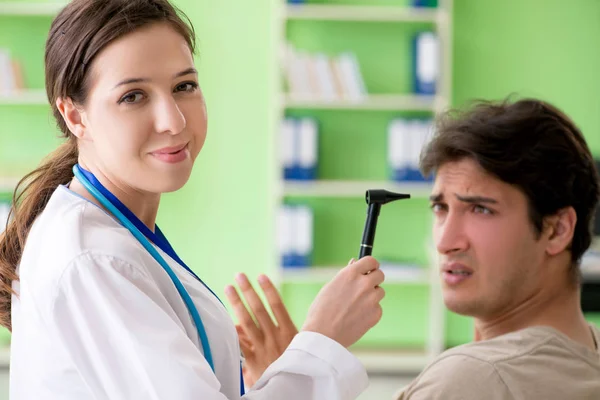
(559, 229)
(73, 116)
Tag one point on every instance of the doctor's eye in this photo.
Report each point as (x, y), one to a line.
(186, 87)
(132, 98)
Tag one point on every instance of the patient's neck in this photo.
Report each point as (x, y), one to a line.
(559, 309)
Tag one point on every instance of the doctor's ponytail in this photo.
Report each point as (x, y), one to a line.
(79, 32)
(28, 203)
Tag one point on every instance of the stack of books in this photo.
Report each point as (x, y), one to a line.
(11, 73)
(320, 77)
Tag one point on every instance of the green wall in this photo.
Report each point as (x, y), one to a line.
(222, 221)
(541, 48)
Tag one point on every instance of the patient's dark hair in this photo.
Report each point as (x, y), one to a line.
(529, 144)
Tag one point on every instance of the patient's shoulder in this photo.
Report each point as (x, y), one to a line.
(455, 375)
(479, 370)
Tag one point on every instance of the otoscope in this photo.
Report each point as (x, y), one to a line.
(375, 199)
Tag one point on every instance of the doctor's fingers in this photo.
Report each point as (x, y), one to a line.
(245, 342)
(375, 278)
(245, 319)
(379, 294)
(365, 265)
(284, 321)
(256, 305)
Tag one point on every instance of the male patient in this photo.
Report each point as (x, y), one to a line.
(514, 195)
(513, 200)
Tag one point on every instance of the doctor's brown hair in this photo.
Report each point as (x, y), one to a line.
(79, 32)
(533, 146)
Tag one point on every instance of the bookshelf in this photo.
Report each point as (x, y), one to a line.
(390, 362)
(359, 13)
(28, 97)
(335, 194)
(8, 184)
(23, 30)
(49, 9)
(23, 103)
(351, 189)
(323, 274)
(372, 102)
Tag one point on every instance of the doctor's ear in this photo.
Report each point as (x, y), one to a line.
(73, 117)
(559, 230)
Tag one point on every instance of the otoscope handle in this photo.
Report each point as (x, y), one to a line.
(366, 244)
(375, 198)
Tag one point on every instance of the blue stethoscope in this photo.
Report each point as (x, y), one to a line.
(144, 235)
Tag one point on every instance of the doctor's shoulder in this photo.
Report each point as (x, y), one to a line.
(74, 236)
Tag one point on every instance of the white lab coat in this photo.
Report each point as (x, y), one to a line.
(98, 318)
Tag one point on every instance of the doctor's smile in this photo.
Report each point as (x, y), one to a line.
(173, 154)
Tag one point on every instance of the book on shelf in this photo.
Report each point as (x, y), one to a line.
(322, 77)
(295, 235)
(299, 148)
(11, 73)
(424, 3)
(426, 63)
(406, 139)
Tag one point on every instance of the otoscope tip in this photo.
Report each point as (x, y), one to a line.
(381, 196)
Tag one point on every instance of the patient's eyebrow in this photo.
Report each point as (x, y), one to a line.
(437, 197)
(476, 199)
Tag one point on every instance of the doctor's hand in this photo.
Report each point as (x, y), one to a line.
(262, 340)
(348, 306)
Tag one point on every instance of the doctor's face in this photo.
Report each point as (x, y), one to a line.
(491, 259)
(145, 117)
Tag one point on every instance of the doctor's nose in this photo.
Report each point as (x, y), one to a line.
(169, 118)
(450, 236)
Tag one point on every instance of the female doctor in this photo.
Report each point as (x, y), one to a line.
(100, 305)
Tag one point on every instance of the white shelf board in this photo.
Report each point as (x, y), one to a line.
(8, 185)
(590, 262)
(591, 275)
(339, 188)
(376, 102)
(359, 13)
(30, 9)
(24, 97)
(4, 356)
(319, 274)
(392, 361)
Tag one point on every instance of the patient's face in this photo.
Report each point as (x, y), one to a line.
(491, 260)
